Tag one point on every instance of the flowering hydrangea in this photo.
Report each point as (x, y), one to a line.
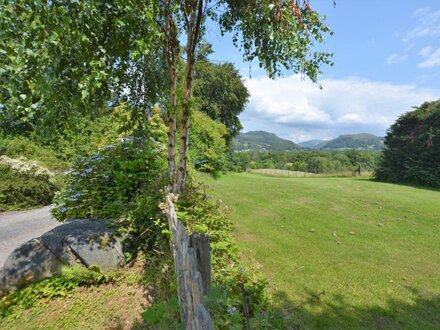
(102, 184)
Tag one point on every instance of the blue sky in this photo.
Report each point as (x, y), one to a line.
(387, 60)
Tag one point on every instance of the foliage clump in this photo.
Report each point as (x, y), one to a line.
(221, 94)
(13, 304)
(201, 214)
(105, 183)
(208, 149)
(412, 148)
(25, 184)
(23, 167)
(16, 146)
(121, 181)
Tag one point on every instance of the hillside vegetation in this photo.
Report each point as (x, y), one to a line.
(361, 141)
(312, 144)
(341, 253)
(262, 141)
(267, 142)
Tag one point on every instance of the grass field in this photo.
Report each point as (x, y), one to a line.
(341, 253)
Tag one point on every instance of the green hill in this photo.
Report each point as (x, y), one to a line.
(262, 141)
(265, 141)
(313, 144)
(362, 141)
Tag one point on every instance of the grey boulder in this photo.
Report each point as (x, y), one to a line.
(85, 242)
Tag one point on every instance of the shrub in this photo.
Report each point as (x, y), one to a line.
(28, 169)
(208, 149)
(24, 185)
(20, 146)
(29, 173)
(105, 183)
(121, 181)
(412, 148)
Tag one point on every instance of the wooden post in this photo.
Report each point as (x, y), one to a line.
(192, 259)
(200, 243)
(245, 306)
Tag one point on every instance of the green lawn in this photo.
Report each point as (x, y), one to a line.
(341, 253)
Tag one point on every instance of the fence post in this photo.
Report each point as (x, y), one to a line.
(200, 243)
(192, 260)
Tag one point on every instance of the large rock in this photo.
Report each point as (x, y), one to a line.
(86, 242)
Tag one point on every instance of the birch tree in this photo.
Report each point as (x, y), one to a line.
(61, 59)
(279, 35)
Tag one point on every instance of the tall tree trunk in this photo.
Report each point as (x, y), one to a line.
(184, 135)
(193, 35)
(172, 127)
(171, 54)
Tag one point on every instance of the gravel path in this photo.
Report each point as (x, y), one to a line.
(19, 227)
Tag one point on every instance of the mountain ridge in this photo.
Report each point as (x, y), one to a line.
(262, 141)
(363, 141)
(266, 141)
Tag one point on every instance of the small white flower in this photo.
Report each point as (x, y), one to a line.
(232, 310)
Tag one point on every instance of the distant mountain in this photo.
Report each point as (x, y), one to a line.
(265, 141)
(362, 141)
(262, 141)
(313, 144)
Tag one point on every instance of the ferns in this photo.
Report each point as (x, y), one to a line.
(72, 276)
(85, 276)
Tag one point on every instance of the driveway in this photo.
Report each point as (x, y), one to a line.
(21, 226)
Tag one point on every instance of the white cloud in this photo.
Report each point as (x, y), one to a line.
(299, 110)
(428, 25)
(396, 58)
(423, 78)
(350, 118)
(432, 61)
(426, 51)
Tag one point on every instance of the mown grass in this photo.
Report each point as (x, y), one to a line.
(341, 253)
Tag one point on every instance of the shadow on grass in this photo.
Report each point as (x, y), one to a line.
(403, 184)
(315, 313)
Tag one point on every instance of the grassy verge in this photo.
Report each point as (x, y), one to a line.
(341, 253)
(116, 305)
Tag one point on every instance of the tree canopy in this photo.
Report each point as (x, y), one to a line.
(64, 59)
(412, 148)
(221, 94)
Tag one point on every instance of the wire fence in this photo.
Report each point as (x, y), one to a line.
(302, 174)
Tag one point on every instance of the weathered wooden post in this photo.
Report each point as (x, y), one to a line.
(200, 243)
(192, 259)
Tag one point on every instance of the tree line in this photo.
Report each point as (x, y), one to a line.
(307, 161)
